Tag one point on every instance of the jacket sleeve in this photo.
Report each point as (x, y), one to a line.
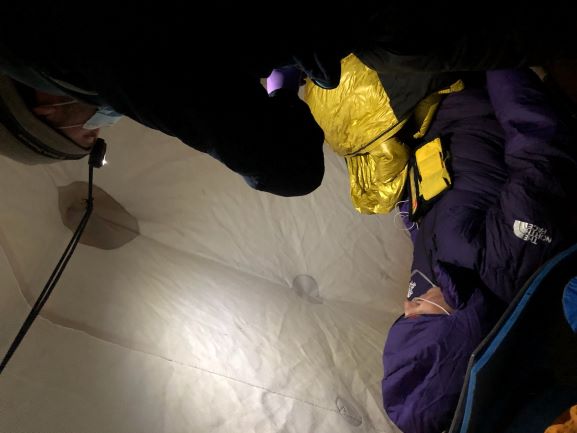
(273, 141)
(282, 155)
(535, 215)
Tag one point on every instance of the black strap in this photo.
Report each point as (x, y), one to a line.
(95, 160)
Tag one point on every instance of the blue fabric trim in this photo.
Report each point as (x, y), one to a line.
(570, 303)
(480, 363)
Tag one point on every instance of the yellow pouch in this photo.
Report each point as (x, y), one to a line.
(429, 177)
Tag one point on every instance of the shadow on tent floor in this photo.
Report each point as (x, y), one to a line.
(524, 374)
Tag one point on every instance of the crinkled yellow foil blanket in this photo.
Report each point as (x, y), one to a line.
(360, 125)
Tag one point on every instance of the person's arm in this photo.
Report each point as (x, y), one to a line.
(272, 141)
(536, 213)
(290, 160)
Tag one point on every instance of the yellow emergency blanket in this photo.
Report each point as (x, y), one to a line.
(567, 423)
(360, 125)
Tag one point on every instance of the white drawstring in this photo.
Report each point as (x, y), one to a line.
(401, 213)
(60, 104)
(70, 126)
(432, 303)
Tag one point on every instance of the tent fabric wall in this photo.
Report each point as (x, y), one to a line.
(195, 325)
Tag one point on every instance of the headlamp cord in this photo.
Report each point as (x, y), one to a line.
(95, 160)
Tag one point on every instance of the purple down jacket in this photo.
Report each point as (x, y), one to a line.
(513, 205)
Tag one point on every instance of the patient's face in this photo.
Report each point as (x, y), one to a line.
(67, 118)
(416, 306)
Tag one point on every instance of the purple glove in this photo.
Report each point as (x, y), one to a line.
(288, 77)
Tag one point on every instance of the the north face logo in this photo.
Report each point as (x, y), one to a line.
(412, 285)
(530, 232)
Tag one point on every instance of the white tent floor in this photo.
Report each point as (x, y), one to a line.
(196, 325)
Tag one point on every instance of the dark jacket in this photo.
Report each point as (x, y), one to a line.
(195, 73)
(513, 205)
(514, 202)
